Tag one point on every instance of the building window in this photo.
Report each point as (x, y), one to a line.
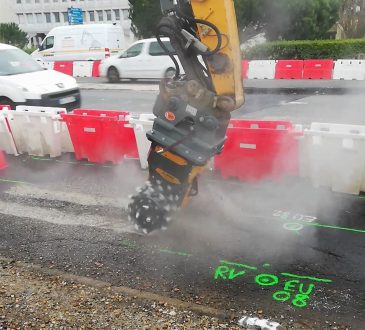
(65, 16)
(18, 1)
(100, 15)
(84, 16)
(37, 1)
(55, 0)
(125, 14)
(46, 1)
(30, 19)
(56, 17)
(21, 18)
(117, 14)
(27, 1)
(108, 15)
(39, 18)
(48, 17)
(92, 16)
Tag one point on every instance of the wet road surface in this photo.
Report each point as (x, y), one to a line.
(281, 249)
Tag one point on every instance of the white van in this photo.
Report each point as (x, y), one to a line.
(24, 82)
(85, 42)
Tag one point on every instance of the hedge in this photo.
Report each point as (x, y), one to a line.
(29, 50)
(307, 49)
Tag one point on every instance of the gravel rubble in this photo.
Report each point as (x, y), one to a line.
(31, 300)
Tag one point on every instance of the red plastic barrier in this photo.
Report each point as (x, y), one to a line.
(3, 163)
(64, 67)
(4, 106)
(318, 69)
(101, 136)
(245, 66)
(289, 69)
(257, 150)
(96, 69)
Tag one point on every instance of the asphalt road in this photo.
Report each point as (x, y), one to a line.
(300, 108)
(246, 248)
(282, 250)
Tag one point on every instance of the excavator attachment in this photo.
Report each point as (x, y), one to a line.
(192, 109)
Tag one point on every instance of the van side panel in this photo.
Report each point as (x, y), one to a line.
(84, 42)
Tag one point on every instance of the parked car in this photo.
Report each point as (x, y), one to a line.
(24, 82)
(85, 42)
(145, 59)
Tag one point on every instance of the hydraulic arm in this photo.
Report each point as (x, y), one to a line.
(193, 108)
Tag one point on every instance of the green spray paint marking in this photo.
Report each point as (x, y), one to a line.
(335, 227)
(133, 245)
(306, 221)
(129, 244)
(237, 264)
(15, 181)
(307, 278)
(72, 163)
(182, 254)
(41, 159)
(297, 289)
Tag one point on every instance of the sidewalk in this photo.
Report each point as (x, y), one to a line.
(251, 86)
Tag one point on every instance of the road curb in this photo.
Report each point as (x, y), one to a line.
(118, 87)
(302, 91)
(135, 293)
(247, 89)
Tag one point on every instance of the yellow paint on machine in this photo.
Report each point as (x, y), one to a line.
(195, 172)
(170, 156)
(167, 176)
(222, 14)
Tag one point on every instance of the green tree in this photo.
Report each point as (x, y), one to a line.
(298, 19)
(289, 19)
(279, 19)
(352, 19)
(10, 33)
(145, 15)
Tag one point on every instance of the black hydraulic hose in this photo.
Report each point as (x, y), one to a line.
(211, 25)
(216, 30)
(167, 51)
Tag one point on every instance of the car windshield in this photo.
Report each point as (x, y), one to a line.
(15, 61)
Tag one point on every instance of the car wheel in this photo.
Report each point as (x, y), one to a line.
(113, 75)
(170, 73)
(6, 101)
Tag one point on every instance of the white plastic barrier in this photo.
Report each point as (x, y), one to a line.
(261, 70)
(334, 156)
(82, 68)
(141, 126)
(66, 143)
(36, 130)
(349, 70)
(6, 139)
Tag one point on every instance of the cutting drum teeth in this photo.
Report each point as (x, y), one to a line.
(149, 209)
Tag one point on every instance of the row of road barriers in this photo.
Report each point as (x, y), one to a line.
(329, 155)
(304, 69)
(74, 68)
(266, 69)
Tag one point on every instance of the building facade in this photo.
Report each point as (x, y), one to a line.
(7, 12)
(38, 17)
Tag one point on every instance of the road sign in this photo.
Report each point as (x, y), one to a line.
(75, 16)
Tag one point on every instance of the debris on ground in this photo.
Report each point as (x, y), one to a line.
(31, 300)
